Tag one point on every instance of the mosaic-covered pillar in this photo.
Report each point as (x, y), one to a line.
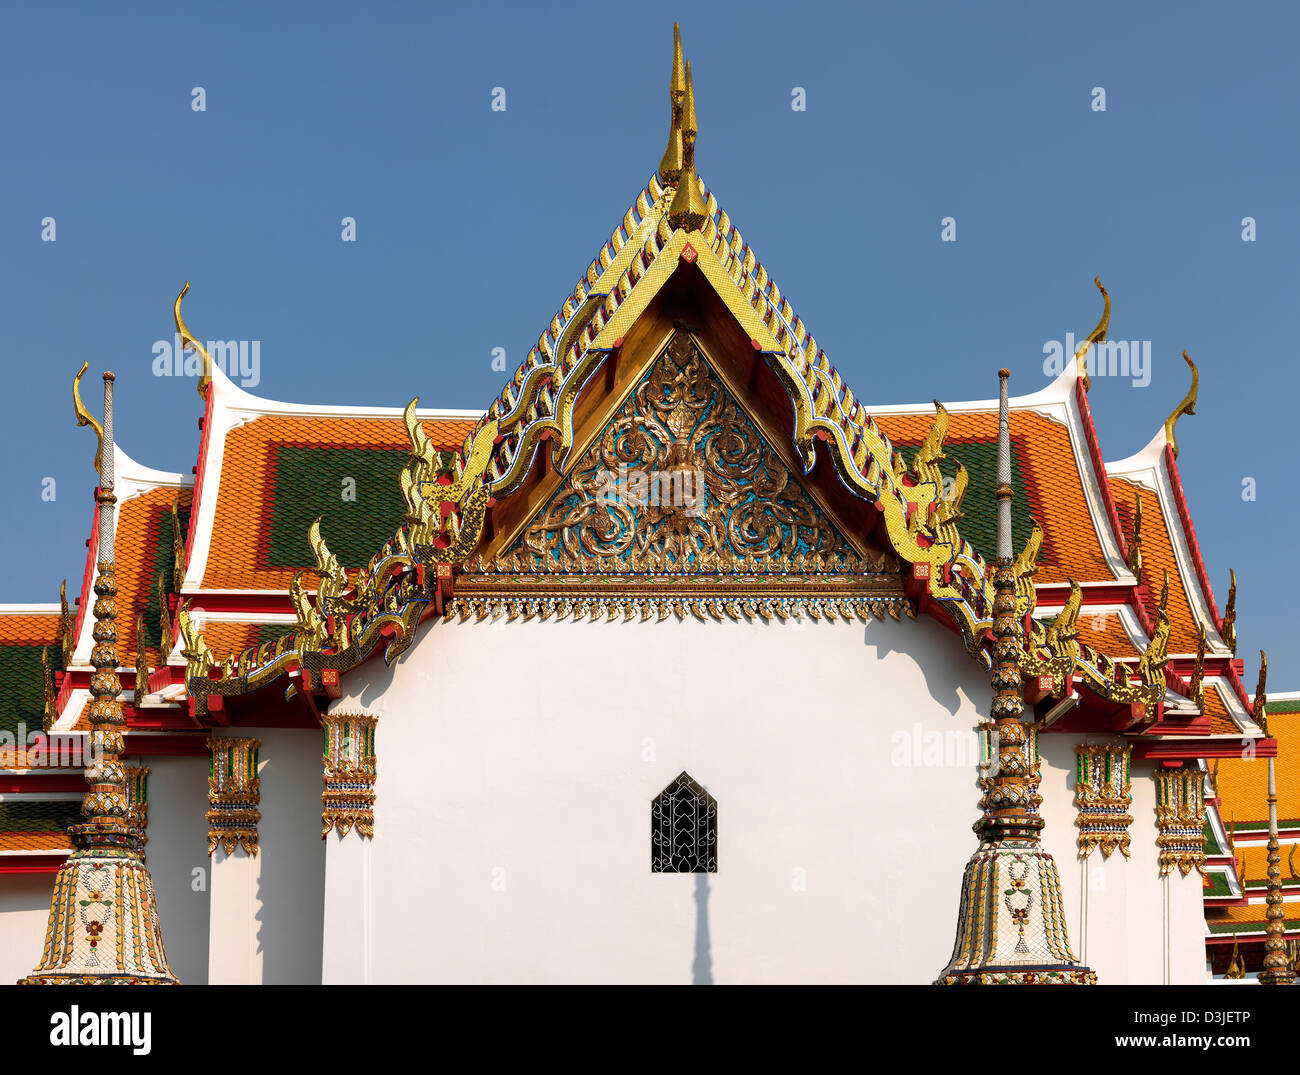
(348, 768)
(233, 794)
(1102, 795)
(1180, 819)
(137, 804)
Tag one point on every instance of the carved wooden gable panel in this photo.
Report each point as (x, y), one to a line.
(680, 505)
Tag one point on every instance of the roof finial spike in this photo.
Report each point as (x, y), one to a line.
(1228, 625)
(1135, 542)
(1259, 704)
(189, 343)
(1004, 467)
(1188, 406)
(1097, 335)
(670, 166)
(688, 210)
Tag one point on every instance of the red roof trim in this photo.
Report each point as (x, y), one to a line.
(46, 863)
(88, 577)
(1189, 531)
(1099, 465)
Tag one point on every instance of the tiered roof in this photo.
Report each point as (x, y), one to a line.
(266, 470)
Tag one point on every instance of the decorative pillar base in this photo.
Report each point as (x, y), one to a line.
(103, 927)
(1011, 926)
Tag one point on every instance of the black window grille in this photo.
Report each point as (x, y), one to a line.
(684, 829)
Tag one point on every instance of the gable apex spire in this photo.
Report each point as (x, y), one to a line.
(670, 166)
(688, 209)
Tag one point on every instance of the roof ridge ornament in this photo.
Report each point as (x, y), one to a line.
(1259, 704)
(1135, 543)
(670, 166)
(85, 418)
(1196, 686)
(1096, 336)
(688, 209)
(189, 343)
(1228, 625)
(1188, 406)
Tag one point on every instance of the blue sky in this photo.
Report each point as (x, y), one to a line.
(473, 224)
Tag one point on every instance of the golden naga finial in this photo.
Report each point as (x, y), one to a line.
(141, 665)
(194, 648)
(1258, 709)
(178, 546)
(51, 707)
(1154, 658)
(1229, 628)
(1196, 688)
(1290, 862)
(1026, 564)
(670, 167)
(189, 343)
(85, 418)
(950, 506)
(1236, 965)
(311, 628)
(66, 624)
(1188, 406)
(1096, 336)
(931, 450)
(1062, 635)
(1135, 542)
(166, 640)
(688, 210)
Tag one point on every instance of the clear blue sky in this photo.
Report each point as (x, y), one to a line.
(473, 224)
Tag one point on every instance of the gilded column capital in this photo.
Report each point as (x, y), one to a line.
(234, 793)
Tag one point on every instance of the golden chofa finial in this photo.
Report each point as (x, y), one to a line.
(1228, 630)
(1096, 336)
(670, 167)
(1259, 706)
(688, 209)
(85, 418)
(1135, 542)
(189, 343)
(1188, 406)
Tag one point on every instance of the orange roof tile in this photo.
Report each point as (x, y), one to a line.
(35, 841)
(1104, 631)
(244, 519)
(144, 529)
(1217, 710)
(29, 629)
(1243, 785)
(1157, 557)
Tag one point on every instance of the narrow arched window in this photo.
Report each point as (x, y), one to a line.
(684, 829)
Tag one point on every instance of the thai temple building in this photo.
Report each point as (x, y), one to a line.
(400, 695)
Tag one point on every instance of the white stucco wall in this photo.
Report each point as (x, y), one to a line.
(24, 914)
(178, 830)
(267, 909)
(527, 755)
(1130, 926)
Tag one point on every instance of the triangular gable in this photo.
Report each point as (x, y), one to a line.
(544, 414)
(681, 500)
